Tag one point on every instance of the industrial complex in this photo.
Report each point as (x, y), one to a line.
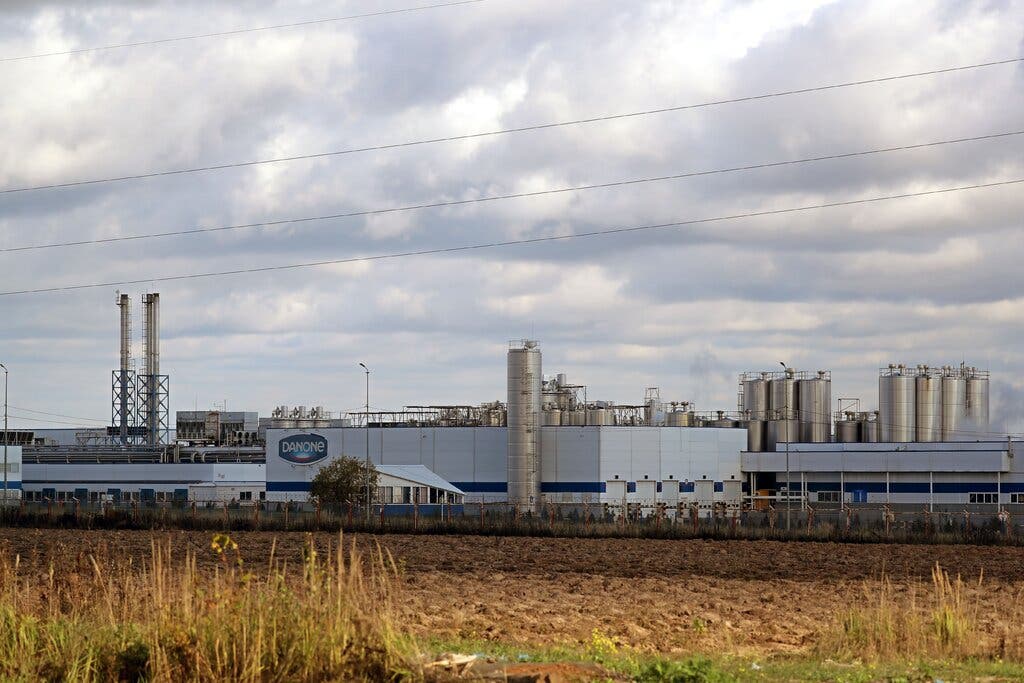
(926, 447)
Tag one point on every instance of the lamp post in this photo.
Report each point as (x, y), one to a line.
(367, 439)
(6, 436)
(786, 421)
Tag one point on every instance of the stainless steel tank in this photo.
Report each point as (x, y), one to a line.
(552, 418)
(897, 409)
(928, 406)
(755, 398)
(524, 414)
(815, 404)
(756, 435)
(954, 403)
(977, 404)
(868, 427)
(679, 418)
(599, 416)
(783, 395)
(848, 430)
(781, 431)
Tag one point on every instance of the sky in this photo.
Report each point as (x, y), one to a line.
(934, 279)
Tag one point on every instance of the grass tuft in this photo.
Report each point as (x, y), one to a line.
(329, 619)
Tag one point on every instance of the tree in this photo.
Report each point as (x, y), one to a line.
(343, 482)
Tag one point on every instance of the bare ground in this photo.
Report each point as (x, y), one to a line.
(745, 597)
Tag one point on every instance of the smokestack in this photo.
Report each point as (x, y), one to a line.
(125, 304)
(151, 303)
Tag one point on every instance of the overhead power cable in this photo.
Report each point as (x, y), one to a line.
(235, 32)
(509, 243)
(504, 131)
(516, 195)
(43, 412)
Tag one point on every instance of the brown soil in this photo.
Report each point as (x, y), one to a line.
(748, 597)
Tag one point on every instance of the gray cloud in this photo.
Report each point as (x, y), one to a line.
(923, 280)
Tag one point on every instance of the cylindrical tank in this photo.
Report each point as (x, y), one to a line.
(679, 418)
(552, 418)
(755, 398)
(756, 435)
(783, 396)
(897, 409)
(598, 416)
(848, 430)
(780, 431)
(524, 408)
(977, 405)
(815, 401)
(869, 427)
(954, 403)
(929, 407)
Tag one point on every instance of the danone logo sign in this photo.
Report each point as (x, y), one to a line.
(303, 449)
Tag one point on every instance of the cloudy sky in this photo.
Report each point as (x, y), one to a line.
(926, 280)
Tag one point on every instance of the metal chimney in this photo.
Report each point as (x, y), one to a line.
(151, 317)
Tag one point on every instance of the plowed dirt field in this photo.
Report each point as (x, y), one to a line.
(745, 597)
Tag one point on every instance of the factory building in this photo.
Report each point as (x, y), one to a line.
(928, 446)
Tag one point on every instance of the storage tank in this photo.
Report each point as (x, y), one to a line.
(897, 409)
(755, 396)
(783, 396)
(781, 431)
(599, 416)
(575, 418)
(848, 429)
(977, 403)
(929, 406)
(552, 418)
(756, 435)
(868, 427)
(679, 418)
(723, 422)
(524, 408)
(954, 403)
(815, 403)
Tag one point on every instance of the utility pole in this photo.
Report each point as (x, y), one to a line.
(7, 437)
(786, 421)
(367, 439)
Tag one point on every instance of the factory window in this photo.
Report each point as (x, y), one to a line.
(983, 498)
(94, 496)
(828, 496)
(245, 495)
(1017, 498)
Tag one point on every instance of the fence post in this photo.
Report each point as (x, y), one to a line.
(887, 517)
(318, 513)
(481, 515)
(256, 514)
(415, 514)
(287, 507)
(772, 515)
(227, 523)
(849, 515)
(695, 516)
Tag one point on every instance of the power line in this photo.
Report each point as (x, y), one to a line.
(234, 32)
(516, 195)
(508, 243)
(43, 412)
(504, 131)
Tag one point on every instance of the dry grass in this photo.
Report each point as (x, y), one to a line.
(100, 619)
(940, 620)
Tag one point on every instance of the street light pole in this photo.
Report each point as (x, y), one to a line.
(367, 439)
(786, 421)
(6, 436)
